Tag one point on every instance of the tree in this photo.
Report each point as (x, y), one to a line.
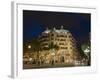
(87, 51)
(53, 46)
(36, 48)
(36, 45)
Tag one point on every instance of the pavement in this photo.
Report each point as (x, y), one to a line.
(37, 66)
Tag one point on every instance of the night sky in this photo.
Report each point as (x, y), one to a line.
(35, 22)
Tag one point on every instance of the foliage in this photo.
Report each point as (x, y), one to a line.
(36, 45)
(53, 46)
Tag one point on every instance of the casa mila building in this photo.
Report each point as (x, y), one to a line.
(66, 51)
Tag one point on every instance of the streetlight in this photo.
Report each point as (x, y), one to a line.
(29, 46)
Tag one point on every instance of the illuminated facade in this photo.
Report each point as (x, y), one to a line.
(65, 53)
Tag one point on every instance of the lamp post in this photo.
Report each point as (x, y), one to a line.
(29, 46)
(30, 54)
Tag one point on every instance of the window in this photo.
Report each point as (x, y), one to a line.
(70, 36)
(61, 43)
(70, 47)
(62, 39)
(52, 34)
(66, 36)
(60, 35)
(64, 47)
